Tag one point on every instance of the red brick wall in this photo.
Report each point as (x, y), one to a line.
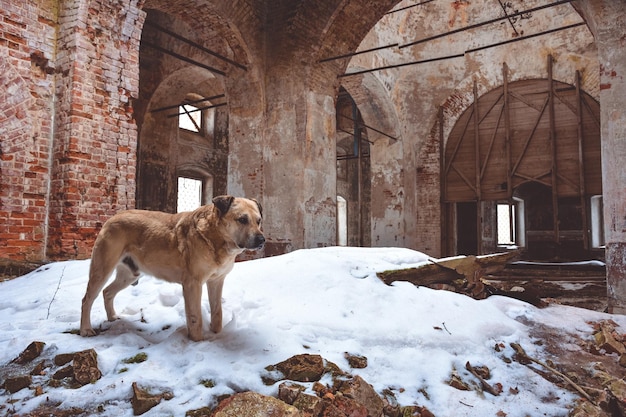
(27, 80)
(66, 121)
(95, 142)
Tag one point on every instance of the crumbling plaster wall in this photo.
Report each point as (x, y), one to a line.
(418, 91)
(607, 21)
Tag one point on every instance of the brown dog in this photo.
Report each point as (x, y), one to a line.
(190, 248)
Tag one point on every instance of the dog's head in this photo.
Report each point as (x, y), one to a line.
(241, 220)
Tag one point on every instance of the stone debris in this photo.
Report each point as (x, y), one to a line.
(251, 404)
(32, 352)
(356, 361)
(143, 400)
(348, 396)
(302, 394)
(74, 369)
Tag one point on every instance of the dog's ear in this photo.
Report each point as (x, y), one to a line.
(223, 203)
(258, 205)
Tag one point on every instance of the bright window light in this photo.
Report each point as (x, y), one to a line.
(506, 224)
(189, 194)
(189, 118)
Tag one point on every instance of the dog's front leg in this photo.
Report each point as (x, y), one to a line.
(214, 288)
(192, 292)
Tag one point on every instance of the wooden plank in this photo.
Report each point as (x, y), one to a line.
(450, 269)
(581, 162)
(555, 195)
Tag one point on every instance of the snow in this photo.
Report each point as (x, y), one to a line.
(319, 301)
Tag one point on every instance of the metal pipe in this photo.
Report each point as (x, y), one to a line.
(547, 32)
(175, 106)
(198, 109)
(402, 65)
(409, 7)
(486, 22)
(350, 55)
(182, 58)
(195, 45)
(369, 127)
(463, 54)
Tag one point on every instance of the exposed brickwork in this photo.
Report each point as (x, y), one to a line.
(95, 141)
(85, 163)
(27, 43)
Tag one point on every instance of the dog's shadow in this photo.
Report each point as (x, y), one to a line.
(231, 337)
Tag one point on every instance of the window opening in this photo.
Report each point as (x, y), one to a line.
(342, 221)
(506, 224)
(189, 194)
(597, 222)
(510, 223)
(190, 118)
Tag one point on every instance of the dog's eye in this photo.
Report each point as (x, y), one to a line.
(243, 220)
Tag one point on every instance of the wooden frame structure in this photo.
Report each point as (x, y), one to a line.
(532, 131)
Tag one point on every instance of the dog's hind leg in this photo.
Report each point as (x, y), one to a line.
(126, 274)
(103, 262)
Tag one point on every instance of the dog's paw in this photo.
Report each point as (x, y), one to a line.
(88, 332)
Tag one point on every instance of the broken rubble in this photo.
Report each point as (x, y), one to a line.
(32, 352)
(85, 366)
(251, 404)
(143, 401)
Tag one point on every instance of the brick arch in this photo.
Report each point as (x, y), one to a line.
(22, 189)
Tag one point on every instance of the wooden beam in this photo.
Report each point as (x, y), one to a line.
(442, 185)
(555, 194)
(458, 144)
(530, 136)
(507, 129)
(491, 143)
(581, 162)
(477, 178)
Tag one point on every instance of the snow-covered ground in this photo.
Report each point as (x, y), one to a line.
(320, 301)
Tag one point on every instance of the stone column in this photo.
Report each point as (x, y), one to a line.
(611, 39)
(298, 167)
(607, 21)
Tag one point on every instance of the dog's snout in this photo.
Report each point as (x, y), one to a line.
(259, 241)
